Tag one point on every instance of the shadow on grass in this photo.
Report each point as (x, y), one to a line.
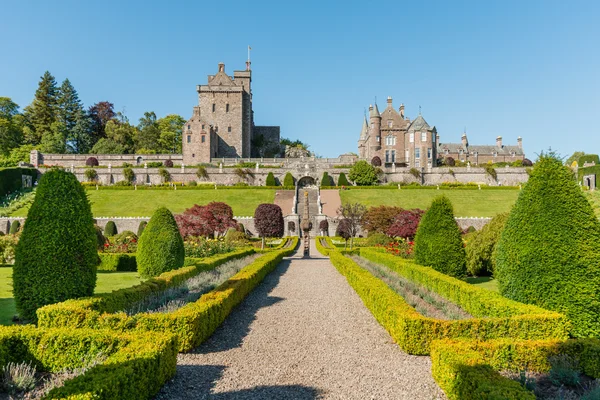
(197, 381)
(237, 325)
(476, 280)
(7, 311)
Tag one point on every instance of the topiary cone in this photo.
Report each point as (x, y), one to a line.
(160, 246)
(549, 251)
(56, 257)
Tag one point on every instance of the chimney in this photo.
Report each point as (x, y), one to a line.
(389, 100)
(499, 141)
(437, 137)
(221, 67)
(520, 142)
(465, 142)
(248, 65)
(402, 110)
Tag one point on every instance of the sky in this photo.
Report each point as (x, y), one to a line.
(524, 68)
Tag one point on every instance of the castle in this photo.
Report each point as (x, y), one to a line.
(222, 124)
(395, 140)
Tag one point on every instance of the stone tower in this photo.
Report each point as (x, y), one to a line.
(375, 131)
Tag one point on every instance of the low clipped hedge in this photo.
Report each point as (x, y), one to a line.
(468, 370)
(136, 366)
(495, 316)
(121, 262)
(192, 324)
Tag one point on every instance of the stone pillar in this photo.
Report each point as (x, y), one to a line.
(220, 168)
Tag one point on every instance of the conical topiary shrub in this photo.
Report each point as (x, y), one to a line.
(549, 251)
(481, 246)
(56, 257)
(160, 247)
(288, 180)
(438, 241)
(271, 179)
(141, 228)
(110, 229)
(325, 179)
(342, 180)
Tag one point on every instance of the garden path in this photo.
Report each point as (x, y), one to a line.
(302, 334)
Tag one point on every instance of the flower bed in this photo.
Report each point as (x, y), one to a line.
(192, 324)
(495, 316)
(136, 366)
(470, 369)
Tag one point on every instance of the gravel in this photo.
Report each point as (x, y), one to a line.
(302, 334)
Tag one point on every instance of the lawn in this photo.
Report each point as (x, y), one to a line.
(467, 203)
(485, 282)
(142, 203)
(107, 282)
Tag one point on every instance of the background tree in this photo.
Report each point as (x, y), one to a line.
(100, 113)
(41, 113)
(54, 141)
(11, 129)
(69, 112)
(353, 214)
(380, 218)
(438, 242)
(363, 174)
(343, 230)
(481, 246)
(120, 138)
(147, 140)
(268, 221)
(56, 256)
(324, 226)
(170, 128)
(80, 139)
(549, 251)
(160, 248)
(405, 224)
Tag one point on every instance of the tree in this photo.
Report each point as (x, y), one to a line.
(342, 180)
(213, 218)
(324, 226)
(288, 181)
(549, 251)
(160, 248)
(69, 111)
(481, 246)
(574, 157)
(270, 181)
(55, 140)
(100, 113)
(148, 133)
(170, 128)
(438, 241)
(353, 214)
(11, 130)
(343, 230)
(80, 139)
(380, 218)
(42, 112)
(268, 221)
(405, 224)
(363, 174)
(56, 257)
(8, 108)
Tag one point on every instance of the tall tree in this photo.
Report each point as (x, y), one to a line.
(100, 113)
(41, 113)
(8, 108)
(80, 138)
(55, 141)
(11, 130)
(170, 128)
(69, 113)
(149, 134)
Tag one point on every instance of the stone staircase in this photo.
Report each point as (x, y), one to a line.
(313, 206)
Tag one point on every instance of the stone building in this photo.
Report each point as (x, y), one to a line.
(396, 140)
(222, 124)
(482, 154)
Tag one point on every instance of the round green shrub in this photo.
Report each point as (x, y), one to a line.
(481, 246)
(160, 246)
(342, 180)
(141, 228)
(549, 251)
(128, 174)
(271, 179)
(125, 237)
(378, 239)
(14, 227)
(288, 180)
(438, 241)
(56, 257)
(110, 229)
(363, 174)
(233, 235)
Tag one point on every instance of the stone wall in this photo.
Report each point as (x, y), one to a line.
(116, 160)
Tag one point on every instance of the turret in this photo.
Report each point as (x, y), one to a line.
(375, 135)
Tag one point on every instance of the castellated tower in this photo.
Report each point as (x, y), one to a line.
(222, 123)
(374, 131)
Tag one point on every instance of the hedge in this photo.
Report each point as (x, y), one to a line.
(192, 324)
(121, 262)
(495, 316)
(11, 179)
(468, 370)
(136, 365)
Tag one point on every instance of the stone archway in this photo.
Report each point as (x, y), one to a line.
(306, 181)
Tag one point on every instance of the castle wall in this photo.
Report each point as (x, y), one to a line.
(78, 160)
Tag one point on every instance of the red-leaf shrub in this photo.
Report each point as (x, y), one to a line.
(379, 219)
(92, 162)
(268, 220)
(405, 224)
(449, 161)
(291, 226)
(324, 225)
(215, 217)
(527, 162)
(344, 229)
(168, 163)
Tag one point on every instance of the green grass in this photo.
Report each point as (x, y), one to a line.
(107, 282)
(485, 282)
(594, 199)
(142, 203)
(467, 203)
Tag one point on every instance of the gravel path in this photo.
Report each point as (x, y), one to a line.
(302, 334)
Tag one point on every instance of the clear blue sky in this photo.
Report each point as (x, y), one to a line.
(510, 68)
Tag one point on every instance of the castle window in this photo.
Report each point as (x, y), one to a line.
(228, 129)
(423, 136)
(387, 156)
(227, 108)
(417, 153)
(429, 153)
(189, 138)
(203, 138)
(390, 140)
(393, 156)
(202, 126)
(390, 123)
(411, 137)
(378, 139)
(417, 163)
(214, 107)
(189, 127)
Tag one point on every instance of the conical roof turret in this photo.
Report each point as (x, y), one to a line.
(374, 111)
(365, 129)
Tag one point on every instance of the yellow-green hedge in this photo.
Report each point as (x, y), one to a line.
(468, 370)
(499, 317)
(192, 324)
(136, 367)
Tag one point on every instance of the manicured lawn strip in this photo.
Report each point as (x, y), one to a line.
(140, 203)
(484, 282)
(466, 203)
(136, 366)
(468, 370)
(110, 281)
(192, 324)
